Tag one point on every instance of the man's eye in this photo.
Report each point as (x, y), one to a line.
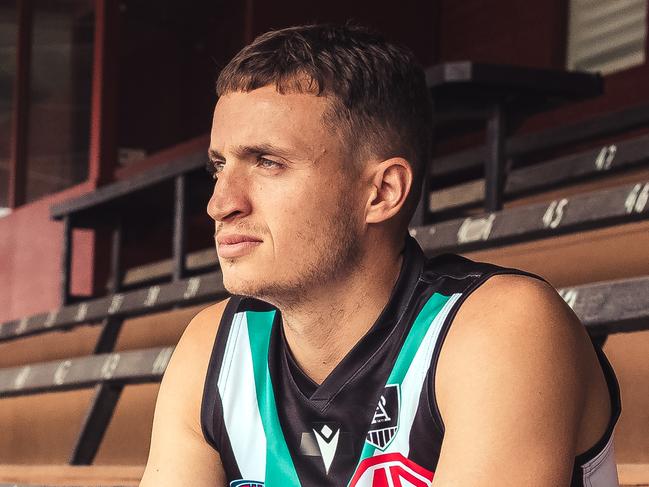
(268, 164)
(214, 168)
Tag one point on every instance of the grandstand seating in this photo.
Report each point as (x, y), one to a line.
(604, 307)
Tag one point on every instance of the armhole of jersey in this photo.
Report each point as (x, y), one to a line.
(210, 415)
(435, 412)
(616, 409)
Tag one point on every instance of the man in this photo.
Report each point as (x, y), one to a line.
(326, 367)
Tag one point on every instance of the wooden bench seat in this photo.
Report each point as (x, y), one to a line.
(586, 211)
(65, 475)
(630, 475)
(633, 474)
(547, 175)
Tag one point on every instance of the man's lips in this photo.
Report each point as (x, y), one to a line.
(235, 238)
(236, 245)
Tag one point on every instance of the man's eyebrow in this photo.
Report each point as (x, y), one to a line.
(243, 151)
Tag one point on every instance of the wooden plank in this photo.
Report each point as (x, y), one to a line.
(120, 189)
(633, 474)
(65, 475)
(132, 367)
(550, 174)
(185, 292)
(586, 211)
(540, 85)
(611, 306)
(195, 261)
(180, 227)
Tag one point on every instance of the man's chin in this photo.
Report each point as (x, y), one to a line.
(235, 283)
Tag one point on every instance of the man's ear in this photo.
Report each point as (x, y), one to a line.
(391, 182)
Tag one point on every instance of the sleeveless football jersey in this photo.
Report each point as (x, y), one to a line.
(374, 421)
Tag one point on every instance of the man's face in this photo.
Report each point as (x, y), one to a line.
(287, 212)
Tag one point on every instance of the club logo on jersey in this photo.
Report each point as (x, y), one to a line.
(386, 418)
(246, 483)
(390, 470)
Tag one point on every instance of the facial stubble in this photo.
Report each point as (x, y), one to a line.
(336, 253)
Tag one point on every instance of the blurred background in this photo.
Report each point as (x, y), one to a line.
(105, 111)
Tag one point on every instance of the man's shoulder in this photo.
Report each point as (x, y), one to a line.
(513, 321)
(195, 345)
(203, 327)
(510, 295)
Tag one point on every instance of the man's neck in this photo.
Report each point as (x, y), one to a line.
(321, 329)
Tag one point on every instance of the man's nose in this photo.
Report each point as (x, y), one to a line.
(229, 198)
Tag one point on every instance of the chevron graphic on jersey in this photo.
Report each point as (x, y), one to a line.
(328, 443)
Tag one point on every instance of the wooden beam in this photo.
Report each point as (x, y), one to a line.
(41, 475)
(548, 175)
(103, 117)
(132, 367)
(21, 99)
(586, 211)
(186, 292)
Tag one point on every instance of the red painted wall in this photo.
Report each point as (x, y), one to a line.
(30, 258)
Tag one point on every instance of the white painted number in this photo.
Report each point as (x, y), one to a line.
(82, 311)
(192, 287)
(116, 303)
(478, 229)
(21, 378)
(637, 198)
(605, 157)
(569, 296)
(554, 214)
(51, 318)
(22, 326)
(110, 364)
(152, 296)
(62, 372)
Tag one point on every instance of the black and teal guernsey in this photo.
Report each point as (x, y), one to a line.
(374, 421)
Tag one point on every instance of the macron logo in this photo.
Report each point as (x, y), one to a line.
(328, 443)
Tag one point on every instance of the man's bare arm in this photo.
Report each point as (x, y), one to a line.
(510, 386)
(179, 453)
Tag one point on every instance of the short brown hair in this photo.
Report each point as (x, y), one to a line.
(380, 102)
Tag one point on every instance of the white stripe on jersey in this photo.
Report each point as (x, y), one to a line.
(240, 408)
(414, 381)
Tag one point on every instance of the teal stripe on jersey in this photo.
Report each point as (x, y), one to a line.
(414, 380)
(413, 341)
(241, 417)
(279, 464)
